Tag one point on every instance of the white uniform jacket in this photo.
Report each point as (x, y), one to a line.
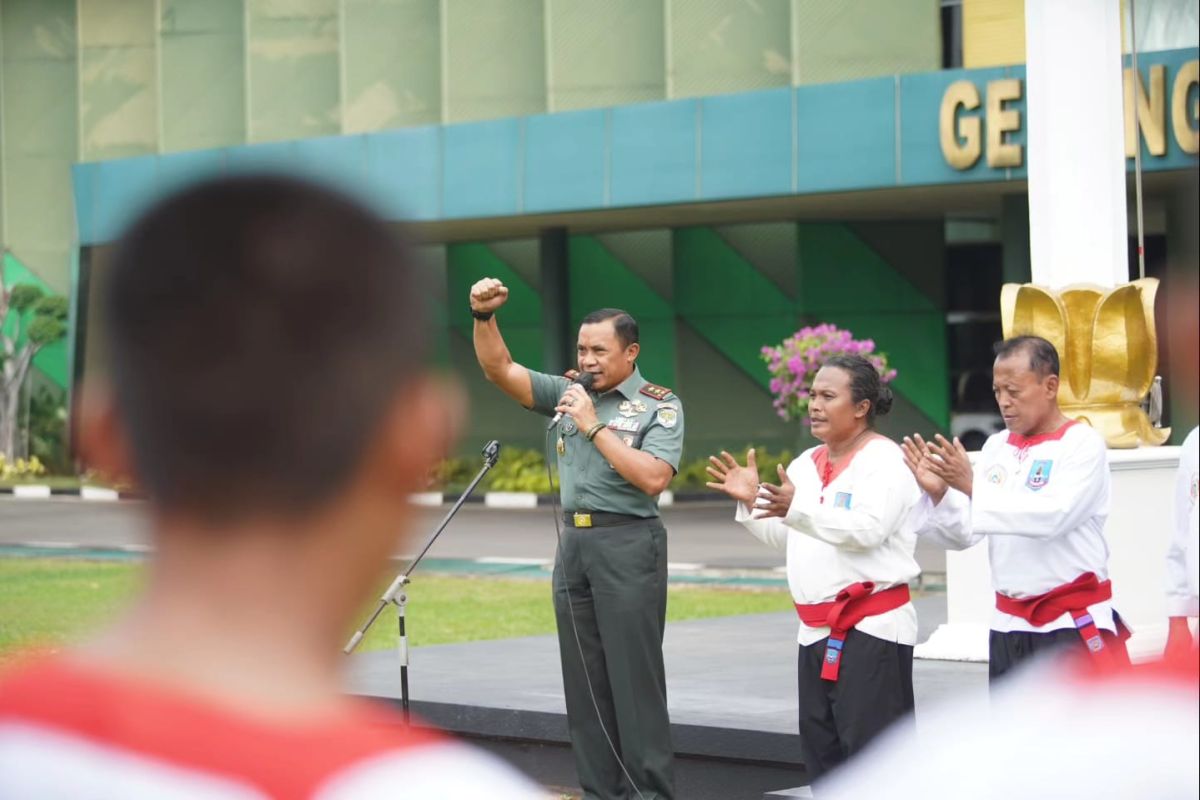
(1183, 565)
(1042, 502)
(846, 532)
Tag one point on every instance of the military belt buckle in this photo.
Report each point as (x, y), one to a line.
(583, 520)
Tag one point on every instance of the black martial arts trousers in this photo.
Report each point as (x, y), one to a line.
(838, 718)
(1008, 649)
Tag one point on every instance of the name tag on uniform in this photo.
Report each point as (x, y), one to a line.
(624, 424)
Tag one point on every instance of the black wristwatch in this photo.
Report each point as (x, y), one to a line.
(482, 316)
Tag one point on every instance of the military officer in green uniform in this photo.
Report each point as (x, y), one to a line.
(618, 447)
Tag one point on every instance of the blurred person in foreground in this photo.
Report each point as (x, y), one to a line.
(1071, 728)
(840, 512)
(1183, 553)
(268, 390)
(1039, 493)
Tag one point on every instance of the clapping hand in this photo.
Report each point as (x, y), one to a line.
(919, 460)
(775, 500)
(951, 463)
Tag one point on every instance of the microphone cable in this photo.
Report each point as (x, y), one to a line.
(571, 612)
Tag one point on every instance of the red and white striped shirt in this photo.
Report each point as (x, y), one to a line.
(69, 731)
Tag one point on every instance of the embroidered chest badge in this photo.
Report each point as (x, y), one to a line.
(997, 475)
(842, 500)
(1039, 474)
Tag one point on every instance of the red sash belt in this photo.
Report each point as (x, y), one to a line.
(851, 606)
(1071, 598)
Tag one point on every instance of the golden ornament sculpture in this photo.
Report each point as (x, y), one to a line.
(1108, 349)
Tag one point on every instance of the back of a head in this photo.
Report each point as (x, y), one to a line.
(260, 329)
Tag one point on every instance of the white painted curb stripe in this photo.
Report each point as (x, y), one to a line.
(667, 498)
(426, 499)
(516, 562)
(97, 493)
(31, 492)
(510, 500)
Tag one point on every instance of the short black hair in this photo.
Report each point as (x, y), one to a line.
(865, 384)
(1043, 357)
(624, 325)
(260, 326)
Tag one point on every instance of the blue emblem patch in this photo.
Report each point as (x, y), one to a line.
(831, 656)
(841, 500)
(1039, 474)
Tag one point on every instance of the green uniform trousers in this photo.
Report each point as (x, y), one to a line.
(616, 578)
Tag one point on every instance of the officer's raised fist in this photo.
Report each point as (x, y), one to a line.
(488, 295)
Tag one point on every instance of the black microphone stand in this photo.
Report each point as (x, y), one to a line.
(396, 594)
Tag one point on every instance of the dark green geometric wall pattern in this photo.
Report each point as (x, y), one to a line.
(600, 280)
(521, 317)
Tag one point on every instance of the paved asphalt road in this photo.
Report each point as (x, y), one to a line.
(699, 533)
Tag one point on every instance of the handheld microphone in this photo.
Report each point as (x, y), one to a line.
(584, 379)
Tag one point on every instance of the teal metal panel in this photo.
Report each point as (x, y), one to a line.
(264, 157)
(121, 191)
(654, 154)
(1173, 60)
(846, 135)
(338, 161)
(921, 158)
(179, 169)
(564, 161)
(480, 169)
(404, 173)
(747, 144)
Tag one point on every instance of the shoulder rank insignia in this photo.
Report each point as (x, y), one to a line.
(571, 374)
(655, 391)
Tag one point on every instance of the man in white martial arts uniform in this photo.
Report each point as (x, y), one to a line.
(1039, 494)
(1183, 556)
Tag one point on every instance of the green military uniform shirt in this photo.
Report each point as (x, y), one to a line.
(640, 413)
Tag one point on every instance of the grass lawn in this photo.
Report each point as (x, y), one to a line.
(46, 601)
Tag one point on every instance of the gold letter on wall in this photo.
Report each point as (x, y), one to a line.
(1181, 119)
(1151, 114)
(1001, 120)
(960, 135)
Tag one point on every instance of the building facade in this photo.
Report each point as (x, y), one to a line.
(726, 170)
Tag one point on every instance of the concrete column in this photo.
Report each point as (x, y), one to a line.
(1077, 217)
(558, 338)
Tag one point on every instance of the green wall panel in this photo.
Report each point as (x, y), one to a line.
(727, 301)
(203, 67)
(521, 317)
(865, 39)
(118, 79)
(38, 75)
(599, 280)
(770, 247)
(726, 408)
(720, 46)
(647, 253)
(294, 74)
(495, 59)
(605, 53)
(845, 282)
(392, 62)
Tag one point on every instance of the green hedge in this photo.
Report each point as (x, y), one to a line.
(525, 471)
